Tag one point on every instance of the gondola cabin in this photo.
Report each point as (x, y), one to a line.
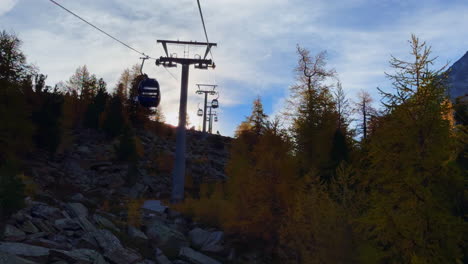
(200, 112)
(215, 103)
(149, 94)
(216, 119)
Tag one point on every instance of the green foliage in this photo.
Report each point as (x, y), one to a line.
(413, 186)
(46, 118)
(16, 128)
(11, 191)
(96, 107)
(114, 120)
(126, 150)
(314, 113)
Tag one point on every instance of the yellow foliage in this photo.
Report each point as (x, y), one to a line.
(133, 212)
(105, 206)
(165, 162)
(30, 187)
(140, 150)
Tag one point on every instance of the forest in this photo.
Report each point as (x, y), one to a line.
(327, 181)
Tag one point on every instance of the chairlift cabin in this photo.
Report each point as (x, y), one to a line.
(149, 94)
(215, 103)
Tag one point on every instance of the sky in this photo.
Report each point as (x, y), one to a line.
(257, 39)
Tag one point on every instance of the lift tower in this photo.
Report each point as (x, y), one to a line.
(178, 176)
(206, 92)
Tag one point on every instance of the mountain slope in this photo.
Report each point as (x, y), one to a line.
(458, 78)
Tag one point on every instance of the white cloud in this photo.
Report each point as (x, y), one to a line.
(6, 6)
(256, 42)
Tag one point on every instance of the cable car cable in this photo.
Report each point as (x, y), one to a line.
(100, 30)
(109, 35)
(204, 27)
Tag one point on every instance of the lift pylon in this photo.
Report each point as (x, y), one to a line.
(178, 176)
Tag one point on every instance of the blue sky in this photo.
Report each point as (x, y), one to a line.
(256, 42)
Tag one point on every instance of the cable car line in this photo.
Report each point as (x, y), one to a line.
(109, 35)
(204, 27)
(100, 30)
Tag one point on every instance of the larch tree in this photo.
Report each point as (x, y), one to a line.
(313, 112)
(414, 181)
(363, 107)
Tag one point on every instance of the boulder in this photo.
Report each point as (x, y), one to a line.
(48, 243)
(77, 209)
(88, 241)
(207, 241)
(85, 224)
(106, 240)
(196, 257)
(67, 224)
(29, 227)
(154, 206)
(104, 222)
(43, 225)
(167, 239)
(6, 258)
(45, 212)
(79, 255)
(13, 234)
(122, 256)
(136, 233)
(161, 258)
(24, 250)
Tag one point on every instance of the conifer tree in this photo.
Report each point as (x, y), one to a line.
(313, 113)
(97, 106)
(413, 181)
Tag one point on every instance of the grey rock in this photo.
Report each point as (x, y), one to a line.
(6, 258)
(146, 261)
(28, 227)
(106, 240)
(84, 149)
(85, 224)
(45, 211)
(43, 225)
(79, 255)
(122, 256)
(12, 232)
(136, 233)
(88, 241)
(22, 249)
(196, 257)
(154, 206)
(67, 224)
(100, 220)
(167, 239)
(207, 241)
(37, 235)
(41, 242)
(77, 197)
(77, 209)
(161, 258)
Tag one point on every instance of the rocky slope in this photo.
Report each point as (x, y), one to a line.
(89, 208)
(458, 78)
